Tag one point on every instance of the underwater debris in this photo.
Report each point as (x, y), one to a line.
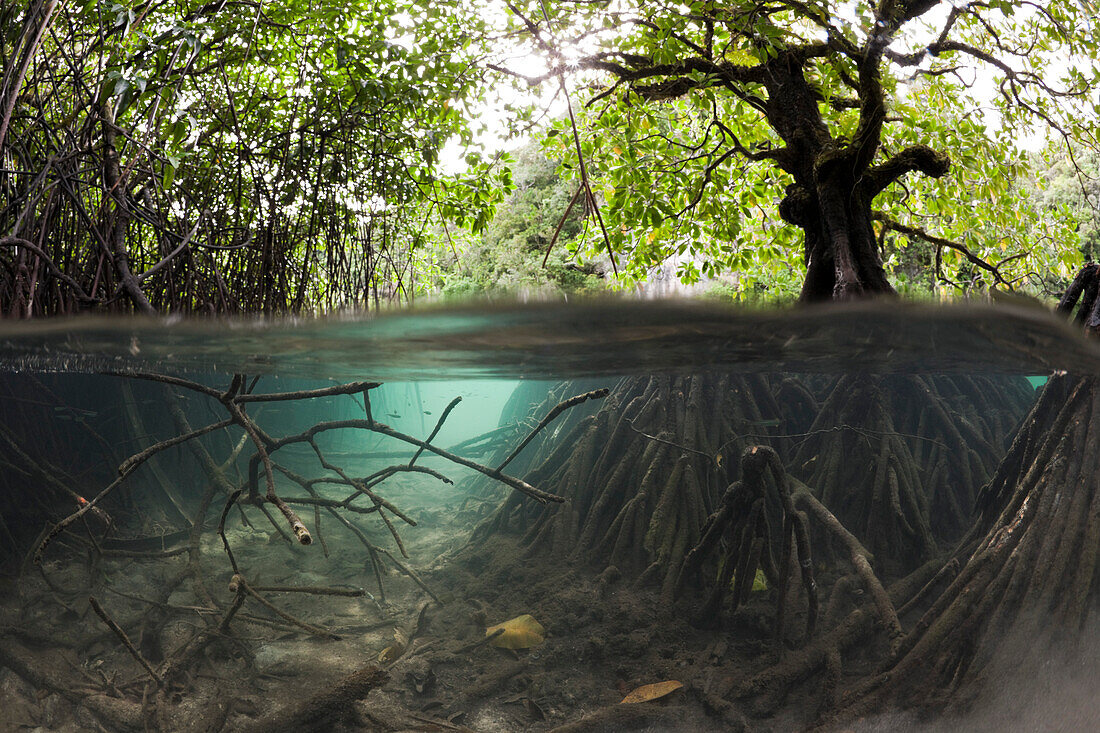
(393, 652)
(645, 693)
(521, 632)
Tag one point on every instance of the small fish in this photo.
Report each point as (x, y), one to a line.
(393, 415)
(427, 412)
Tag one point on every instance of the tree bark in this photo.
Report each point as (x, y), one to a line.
(841, 251)
(117, 226)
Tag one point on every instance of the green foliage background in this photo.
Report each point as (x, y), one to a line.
(510, 256)
(291, 157)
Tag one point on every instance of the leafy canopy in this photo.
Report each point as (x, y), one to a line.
(688, 149)
(298, 142)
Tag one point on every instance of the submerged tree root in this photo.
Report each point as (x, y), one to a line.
(898, 458)
(771, 685)
(1029, 565)
(170, 673)
(642, 474)
(322, 711)
(894, 463)
(1033, 572)
(743, 516)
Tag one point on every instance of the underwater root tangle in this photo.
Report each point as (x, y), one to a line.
(1029, 567)
(641, 474)
(1032, 572)
(235, 399)
(898, 458)
(765, 691)
(765, 489)
(743, 518)
(167, 674)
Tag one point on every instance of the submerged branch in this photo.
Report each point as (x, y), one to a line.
(558, 409)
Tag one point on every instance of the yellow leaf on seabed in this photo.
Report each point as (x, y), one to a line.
(645, 693)
(521, 632)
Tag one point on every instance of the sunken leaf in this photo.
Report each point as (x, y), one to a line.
(521, 632)
(646, 693)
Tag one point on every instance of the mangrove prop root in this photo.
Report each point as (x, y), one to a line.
(898, 458)
(861, 561)
(743, 516)
(561, 407)
(1036, 561)
(743, 520)
(615, 470)
(800, 664)
(1029, 565)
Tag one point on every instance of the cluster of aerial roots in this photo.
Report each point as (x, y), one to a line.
(841, 497)
(896, 458)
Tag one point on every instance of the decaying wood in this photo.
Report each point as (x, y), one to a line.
(324, 709)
